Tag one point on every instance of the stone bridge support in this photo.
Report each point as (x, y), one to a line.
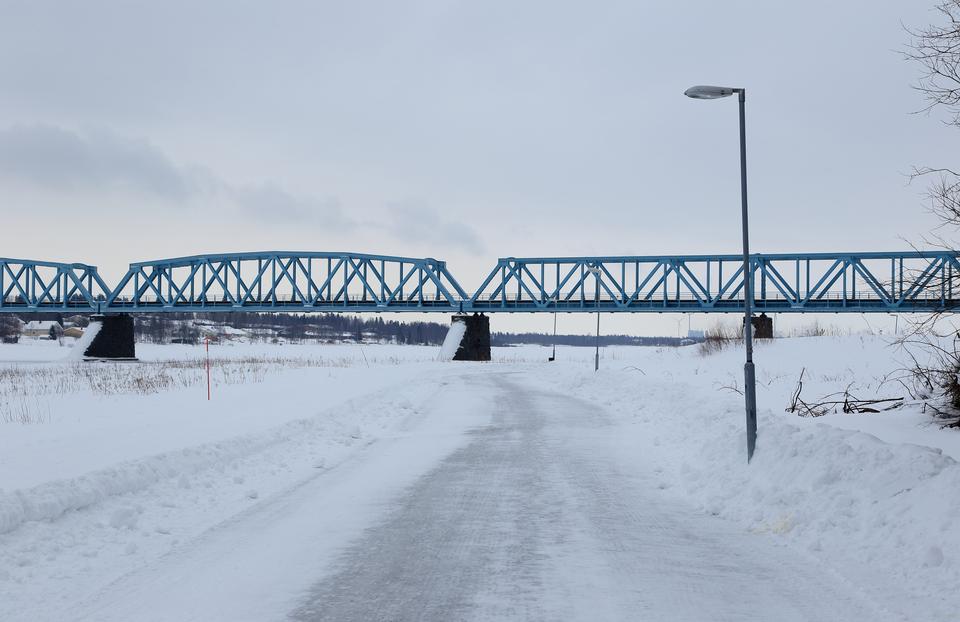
(762, 326)
(114, 339)
(475, 345)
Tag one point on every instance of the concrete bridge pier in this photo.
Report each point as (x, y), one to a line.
(475, 344)
(114, 338)
(762, 326)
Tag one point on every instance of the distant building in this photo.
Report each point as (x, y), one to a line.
(42, 329)
(76, 320)
(73, 331)
(696, 334)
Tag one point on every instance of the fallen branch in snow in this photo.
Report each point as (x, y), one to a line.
(800, 407)
(854, 405)
(732, 387)
(829, 403)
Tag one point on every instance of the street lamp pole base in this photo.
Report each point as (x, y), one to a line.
(750, 393)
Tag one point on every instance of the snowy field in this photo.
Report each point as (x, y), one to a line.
(126, 494)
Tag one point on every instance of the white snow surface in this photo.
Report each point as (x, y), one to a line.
(162, 506)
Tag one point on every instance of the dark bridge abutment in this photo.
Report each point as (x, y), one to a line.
(114, 340)
(762, 326)
(475, 344)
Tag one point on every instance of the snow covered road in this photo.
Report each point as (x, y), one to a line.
(532, 520)
(498, 501)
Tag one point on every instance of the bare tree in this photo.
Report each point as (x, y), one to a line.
(936, 49)
(935, 353)
(10, 328)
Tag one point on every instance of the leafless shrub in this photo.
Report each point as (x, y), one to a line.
(23, 386)
(24, 411)
(813, 329)
(816, 329)
(933, 374)
(718, 338)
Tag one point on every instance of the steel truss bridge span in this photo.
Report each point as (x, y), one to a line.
(905, 282)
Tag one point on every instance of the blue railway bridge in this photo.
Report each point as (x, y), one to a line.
(302, 282)
(894, 282)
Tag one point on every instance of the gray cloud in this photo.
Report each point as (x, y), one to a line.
(269, 201)
(61, 160)
(419, 223)
(57, 159)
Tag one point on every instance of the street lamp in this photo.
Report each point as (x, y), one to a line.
(749, 378)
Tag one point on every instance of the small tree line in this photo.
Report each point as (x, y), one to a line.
(327, 327)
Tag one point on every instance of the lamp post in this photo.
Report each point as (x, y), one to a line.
(595, 271)
(553, 356)
(749, 377)
(596, 356)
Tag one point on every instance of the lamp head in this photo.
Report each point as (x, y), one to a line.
(710, 92)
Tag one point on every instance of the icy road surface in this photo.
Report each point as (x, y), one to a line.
(534, 521)
(520, 506)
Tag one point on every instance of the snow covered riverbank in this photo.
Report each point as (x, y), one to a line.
(113, 479)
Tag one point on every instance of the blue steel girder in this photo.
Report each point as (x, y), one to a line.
(911, 281)
(287, 281)
(29, 285)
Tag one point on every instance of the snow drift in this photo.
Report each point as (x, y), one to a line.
(451, 343)
(81, 345)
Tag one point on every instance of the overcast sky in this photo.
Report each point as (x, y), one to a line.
(464, 131)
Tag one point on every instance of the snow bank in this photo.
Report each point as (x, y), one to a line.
(50, 500)
(451, 343)
(71, 536)
(872, 509)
